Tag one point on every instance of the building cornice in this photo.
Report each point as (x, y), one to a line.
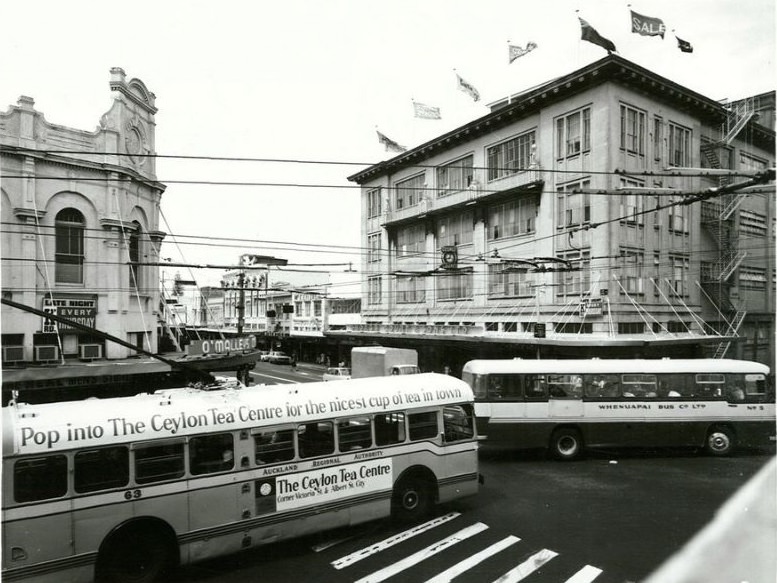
(25, 214)
(612, 68)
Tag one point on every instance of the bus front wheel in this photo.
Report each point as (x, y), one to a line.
(566, 444)
(413, 499)
(134, 555)
(720, 441)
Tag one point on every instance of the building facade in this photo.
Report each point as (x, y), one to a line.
(560, 224)
(81, 230)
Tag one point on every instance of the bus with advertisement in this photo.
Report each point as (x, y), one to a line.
(126, 489)
(567, 406)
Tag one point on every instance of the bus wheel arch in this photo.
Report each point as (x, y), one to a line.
(566, 443)
(414, 495)
(720, 440)
(141, 550)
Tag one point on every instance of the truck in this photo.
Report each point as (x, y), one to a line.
(379, 361)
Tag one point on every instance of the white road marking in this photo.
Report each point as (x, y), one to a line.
(528, 567)
(473, 560)
(429, 551)
(585, 575)
(257, 374)
(390, 542)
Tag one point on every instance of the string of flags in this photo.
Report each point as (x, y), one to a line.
(640, 24)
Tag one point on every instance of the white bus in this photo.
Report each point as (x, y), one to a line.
(126, 489)
(569, 405)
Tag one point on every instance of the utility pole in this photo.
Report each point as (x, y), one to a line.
(241, 301)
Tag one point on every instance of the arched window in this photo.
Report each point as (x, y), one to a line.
(69, 254)
(134, 257)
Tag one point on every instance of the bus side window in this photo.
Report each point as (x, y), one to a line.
(316, 439)
(100, 469)
(40, 478)
(274, 446)
(422, 425)
(354, 433)
(457, 423)
(536, 388)
(155, 463)
(211, 453)
(389, 428)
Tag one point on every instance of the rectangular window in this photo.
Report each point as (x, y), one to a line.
(155, 463)
(506, 281)
(374, 290)
(454, 285)
(373, 247)
(374, 203)
(658, 138)
(573, 133)
(457, 423)
(454, 176)
(411, 240)
(679, 145)
(389, 428)
(316, 439)
(639, 385)
(632, 210)
(100, 469)
(409, 192)
(631, 327)
(752, 223)
(752, 278)
(273, 446)
(354, 433)
(576, 279)
(455, 230)
(510, 157)
(678, 220)
(573, 205)
(512, 218)
(422, 425)
(40, 478)
(750, 162)
(631, 271)
(680, 269)
(211, 453)
(632, 130)
(411, 290)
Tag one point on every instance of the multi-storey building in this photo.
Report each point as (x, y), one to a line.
(80, 233)
(560, 223)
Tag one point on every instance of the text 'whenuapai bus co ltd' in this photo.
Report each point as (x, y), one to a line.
(125, 489)
(568, 405)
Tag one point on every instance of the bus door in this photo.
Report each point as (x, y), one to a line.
(565, 396)
(504, 396)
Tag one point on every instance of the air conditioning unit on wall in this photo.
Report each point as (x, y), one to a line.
(13, 354)
(44, 353)
(90, 351)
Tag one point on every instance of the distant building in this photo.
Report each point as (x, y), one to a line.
(81, 229)
(548, 227)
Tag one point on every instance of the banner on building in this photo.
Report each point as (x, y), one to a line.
(81, 308)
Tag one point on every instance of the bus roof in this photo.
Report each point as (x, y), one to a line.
(605, 366)
(178, 412)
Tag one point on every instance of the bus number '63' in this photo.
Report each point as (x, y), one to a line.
(132, 494)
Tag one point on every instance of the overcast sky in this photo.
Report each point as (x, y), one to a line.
(310, 80)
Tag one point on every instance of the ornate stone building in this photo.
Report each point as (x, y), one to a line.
(80, 236)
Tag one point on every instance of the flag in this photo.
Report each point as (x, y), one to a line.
(516, 52)
(426, 111)
(467, 88)
(589, 33)
(390, 144)
(684, 45)
(647, 26)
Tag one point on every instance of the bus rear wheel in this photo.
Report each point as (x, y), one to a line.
(566, 444)
(412, 500)
(134, 555)
(720, 441)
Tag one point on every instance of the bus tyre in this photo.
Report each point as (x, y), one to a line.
(720, 441)
(412, 500)
(566, 444)
(134, 555)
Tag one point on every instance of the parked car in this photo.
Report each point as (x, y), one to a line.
(337, 373)
(279, 358)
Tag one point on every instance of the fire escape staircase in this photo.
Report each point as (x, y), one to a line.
(718, 221)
